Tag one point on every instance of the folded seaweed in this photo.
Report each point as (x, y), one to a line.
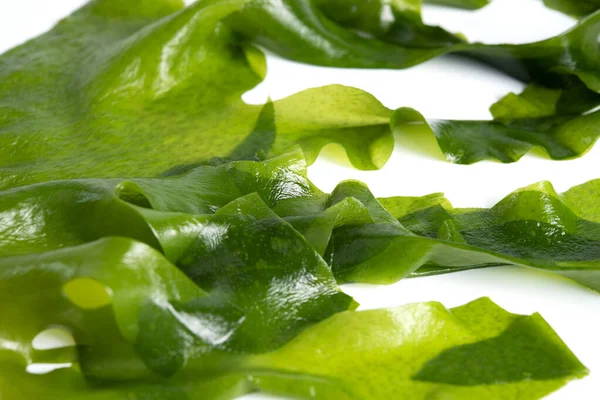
(124, 89)
(172, 231)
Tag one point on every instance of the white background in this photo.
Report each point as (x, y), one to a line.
(446, 87)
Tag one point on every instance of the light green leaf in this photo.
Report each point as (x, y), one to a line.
(422, 350)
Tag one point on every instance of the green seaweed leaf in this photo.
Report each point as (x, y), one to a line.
(266, 285)
(187, 217)
(398, 359)
(320, 37)
(60, 214)
(357, 355)
(576, 8)
(466, 4)
(124, 95)
(219, 277)
(533, 226)
(237, 240)
(131, 91)
(539, 101)
(467, 142)
(534, 102)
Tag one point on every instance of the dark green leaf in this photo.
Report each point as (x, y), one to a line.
(251, 261)
(121, 90)
(577, 8)
(362, 239)
(534, 226)
(466, 142)
(319, 36)
(123, 95)
(211, 281)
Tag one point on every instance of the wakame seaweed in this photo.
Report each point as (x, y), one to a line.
(126, 89)
(171, 229)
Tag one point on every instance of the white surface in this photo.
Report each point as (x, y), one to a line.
(442, 88)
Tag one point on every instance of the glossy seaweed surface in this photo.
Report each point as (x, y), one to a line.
(228, 273)
(170, 228)
(136, 88)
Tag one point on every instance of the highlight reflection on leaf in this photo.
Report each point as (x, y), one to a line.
(142, 210)
(140, 88)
